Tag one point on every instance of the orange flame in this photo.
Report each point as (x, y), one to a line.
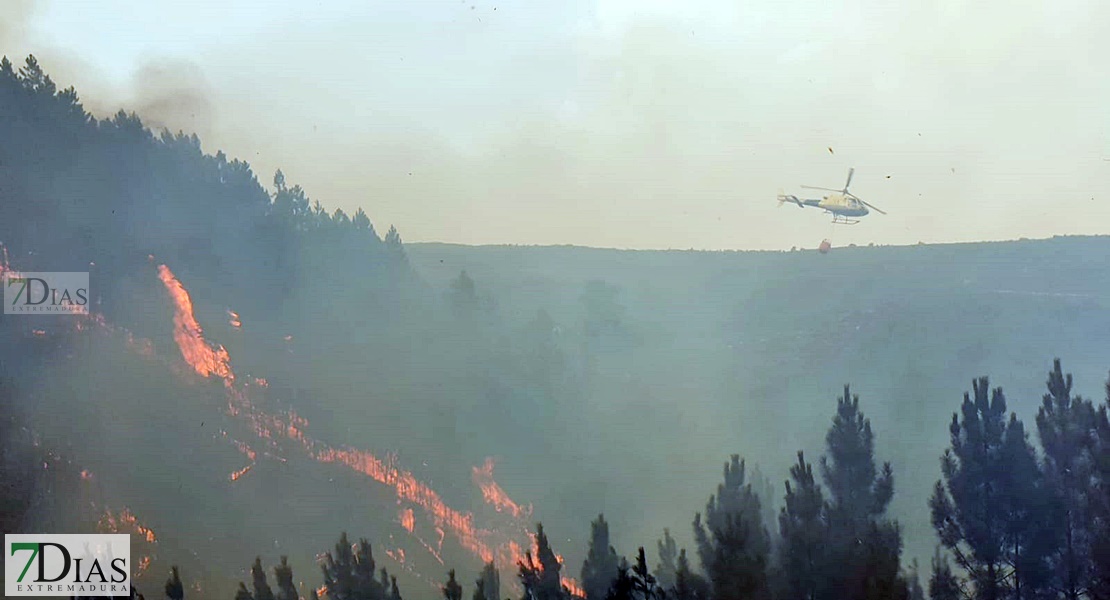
(568, 582)
(408, 520)
(245, 449)
(493, 494)
(575, 589)
(207, 360)
(126, 521)
(204, 359)
(397, 555)
(234, 476)
(233, 319)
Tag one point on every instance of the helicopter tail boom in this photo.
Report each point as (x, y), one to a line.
(784, 198)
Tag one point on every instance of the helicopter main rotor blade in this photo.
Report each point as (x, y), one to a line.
(868, 204)
(810, 187)
(849, 182)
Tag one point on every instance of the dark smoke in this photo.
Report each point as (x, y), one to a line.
(173, 95)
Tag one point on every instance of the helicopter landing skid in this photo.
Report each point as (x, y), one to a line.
(841, 220)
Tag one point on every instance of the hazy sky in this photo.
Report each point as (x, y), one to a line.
(623, 123)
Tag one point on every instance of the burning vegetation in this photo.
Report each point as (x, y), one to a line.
(207, 360)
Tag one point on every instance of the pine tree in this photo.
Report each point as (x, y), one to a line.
(943, 584)
(804, 534)
(283, 575)
(863, 545)
(621, 588)
(463, 296)
(488, 584)
(646, 586)
(688, 585)
(601, 565)
(35, 79)
(394, 592)
(338, 569)
(539, 574)
(732, 543)
(858, 492)
(990, 509)
(394, 248)
(174, 588)
(765, 490)
(362, 222)
(1067, 427)
(666, 569)
(262, 589)
(365, 584)
(1099, 498)
(1033, 518)
(452, 590)
(349, 574)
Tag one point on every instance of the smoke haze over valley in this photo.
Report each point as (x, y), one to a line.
(354, 269)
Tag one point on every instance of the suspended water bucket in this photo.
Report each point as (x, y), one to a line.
(824, 247)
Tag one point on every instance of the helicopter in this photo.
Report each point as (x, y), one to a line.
(845, 207)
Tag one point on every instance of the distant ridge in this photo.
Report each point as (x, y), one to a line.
(456, 245)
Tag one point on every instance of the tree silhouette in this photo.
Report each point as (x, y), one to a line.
(262, 589)
(349, 574)
(667, 567)
(1099, 498)
(452, 590)
(463, 296)
(804, 532)
(732, 543)
(283, 574)
(601, 565)
(983, 510)
(863, 544)
(943, 584)
(688, 584)
(540, 574)
(1067, 427)
(488, 586)
(174, 589)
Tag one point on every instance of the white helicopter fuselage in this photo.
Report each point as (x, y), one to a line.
(841, 204)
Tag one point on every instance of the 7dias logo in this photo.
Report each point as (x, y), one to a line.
(46, 293)
(67, 565)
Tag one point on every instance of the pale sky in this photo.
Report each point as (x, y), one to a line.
(623, 123)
